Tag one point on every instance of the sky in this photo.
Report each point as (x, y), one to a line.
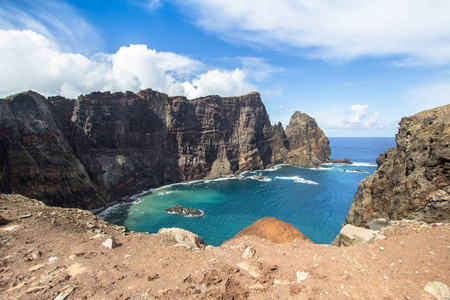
(357, 67)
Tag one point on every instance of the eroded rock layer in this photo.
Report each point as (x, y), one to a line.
(89, 151)
(412, 179)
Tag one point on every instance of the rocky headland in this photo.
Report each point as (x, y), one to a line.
(412, 180)
(93, 150)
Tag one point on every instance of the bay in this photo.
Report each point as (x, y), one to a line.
(315, 201)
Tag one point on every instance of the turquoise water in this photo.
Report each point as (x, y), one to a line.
(316, 201)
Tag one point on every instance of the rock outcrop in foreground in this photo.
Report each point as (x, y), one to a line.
(92, 150)
(412, 180)
(272, 230)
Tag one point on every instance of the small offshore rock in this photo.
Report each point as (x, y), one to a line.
(177, 209)
(110, 243)
(438, 289)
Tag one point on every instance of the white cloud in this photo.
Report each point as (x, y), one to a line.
(258, 68)
(333, 29)
(29, 60)
(223, 83)
(360, 117)
(58, 21)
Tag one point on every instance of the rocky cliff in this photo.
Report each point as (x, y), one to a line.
(92, 150)
(412, 179)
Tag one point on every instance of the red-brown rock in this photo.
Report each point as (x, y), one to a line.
(272, 230)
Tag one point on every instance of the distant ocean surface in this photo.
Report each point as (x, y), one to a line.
(315, 201)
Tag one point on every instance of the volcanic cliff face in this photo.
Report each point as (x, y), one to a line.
(413, 179)
(88, 151)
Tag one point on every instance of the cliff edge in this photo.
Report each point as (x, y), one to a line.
(412, 180)
(95, 149)
(65, 253)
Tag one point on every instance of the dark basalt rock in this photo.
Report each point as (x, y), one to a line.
(356, 171)
(100, 147)
(340, 161)
(177, 209)
(412, 180)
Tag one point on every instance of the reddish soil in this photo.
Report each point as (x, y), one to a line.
(50, 251)
(273, 230)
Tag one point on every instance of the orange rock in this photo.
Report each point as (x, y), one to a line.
(272, 230)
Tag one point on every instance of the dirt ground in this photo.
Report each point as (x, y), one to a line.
(55, 253)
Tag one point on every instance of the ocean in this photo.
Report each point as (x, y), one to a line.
(315, 201)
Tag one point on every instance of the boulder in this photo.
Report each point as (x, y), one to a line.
(438, 289)
(249, 253)
(272, 230)
(377, 224)
(181, 237)
(352, 236)
(110, 243)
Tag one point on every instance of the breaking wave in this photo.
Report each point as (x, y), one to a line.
(297, 179)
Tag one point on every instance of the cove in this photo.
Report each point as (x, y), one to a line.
(315, 201)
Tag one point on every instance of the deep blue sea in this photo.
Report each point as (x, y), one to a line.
(315, 201)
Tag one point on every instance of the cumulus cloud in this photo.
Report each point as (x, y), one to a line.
(31, 61)
(360, 117)
(336, 30)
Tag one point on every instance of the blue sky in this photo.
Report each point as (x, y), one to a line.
(357, 67)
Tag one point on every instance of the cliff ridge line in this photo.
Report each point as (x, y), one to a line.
(100, 147)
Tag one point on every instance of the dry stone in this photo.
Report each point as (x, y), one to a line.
(352, 236)
(182, 237)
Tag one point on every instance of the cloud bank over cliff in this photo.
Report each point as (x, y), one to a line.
(31, 61)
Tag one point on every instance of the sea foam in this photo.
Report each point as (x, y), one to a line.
(362, 164)
(297, 179)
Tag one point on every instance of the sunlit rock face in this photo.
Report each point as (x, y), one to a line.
(412, 179)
